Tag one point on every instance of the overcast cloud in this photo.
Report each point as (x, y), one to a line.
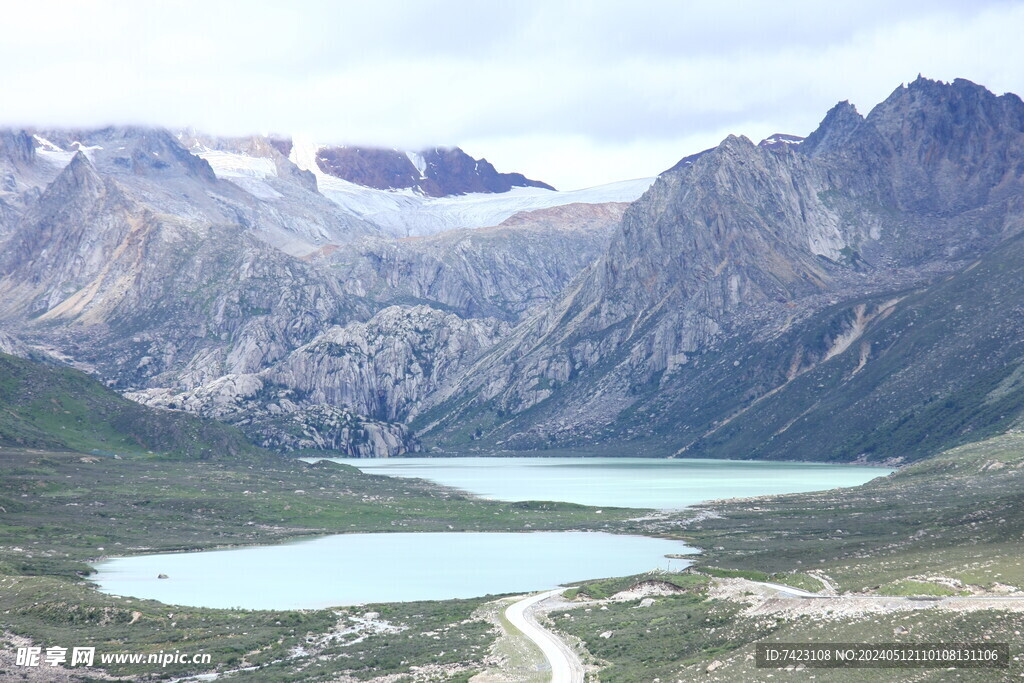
(574, 93)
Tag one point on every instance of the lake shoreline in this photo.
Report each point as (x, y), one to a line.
(356, 569)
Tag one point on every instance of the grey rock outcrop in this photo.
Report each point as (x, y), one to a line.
(490, 272)
(276, 417)
(385, 368)
(347, 390)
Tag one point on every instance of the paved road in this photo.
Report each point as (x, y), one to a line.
(790, 591)
(566, 666)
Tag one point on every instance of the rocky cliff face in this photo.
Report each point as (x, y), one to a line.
(435, 172)
(494, 272)
(144, 294)
(385, 367)
(733, 247)
(176, 275)
(138, 262)
(278, 418)
(349, 388)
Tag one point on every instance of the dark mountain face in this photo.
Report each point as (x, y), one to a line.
(437, 172)
(734, 291)
(16, 147)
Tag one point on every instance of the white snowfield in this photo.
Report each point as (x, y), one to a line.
(404, 213)
(398, 213)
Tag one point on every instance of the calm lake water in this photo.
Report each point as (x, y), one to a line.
(395, 567)
(360, 568)
(620, 482)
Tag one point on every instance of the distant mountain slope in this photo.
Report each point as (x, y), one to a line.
(258, 165)
(131, 275)
(51, 407)
(499, 272)
(435, 172)
(745, 267)
(172, 271)
(739, 305)
(878, 379)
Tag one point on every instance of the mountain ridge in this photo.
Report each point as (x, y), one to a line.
(729, 245)
(435, 172)
(235, 278)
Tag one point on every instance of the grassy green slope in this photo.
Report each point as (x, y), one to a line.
(949, 525)
(59, 511)
(59, 408)
(941, 367)
(946, 367)
(958, 515)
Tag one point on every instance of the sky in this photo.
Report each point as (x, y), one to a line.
(573, 93)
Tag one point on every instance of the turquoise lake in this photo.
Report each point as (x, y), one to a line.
(395, 567)
(359, 568)
(620, 482)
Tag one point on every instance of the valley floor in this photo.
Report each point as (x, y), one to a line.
(932, 553)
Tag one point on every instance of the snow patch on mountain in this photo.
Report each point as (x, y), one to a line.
(417, 160)
(405, 213)
(230, 165)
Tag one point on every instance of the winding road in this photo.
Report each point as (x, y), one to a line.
(566, 666)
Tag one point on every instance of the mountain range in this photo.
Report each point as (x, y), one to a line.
(853, 295)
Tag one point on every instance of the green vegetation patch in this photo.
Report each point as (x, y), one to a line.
(644, 643)
(59, 408)
(910, 587)
(62, 511)
(605, 588)
(959, 515)
(57, 612)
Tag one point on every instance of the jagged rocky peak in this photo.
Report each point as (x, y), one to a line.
(947, 113)
(740, 144)
(435, 172)
(78, 178)
(834, 131)
(130, 150)
(738, 223)
(780, 141)
(954, 146)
